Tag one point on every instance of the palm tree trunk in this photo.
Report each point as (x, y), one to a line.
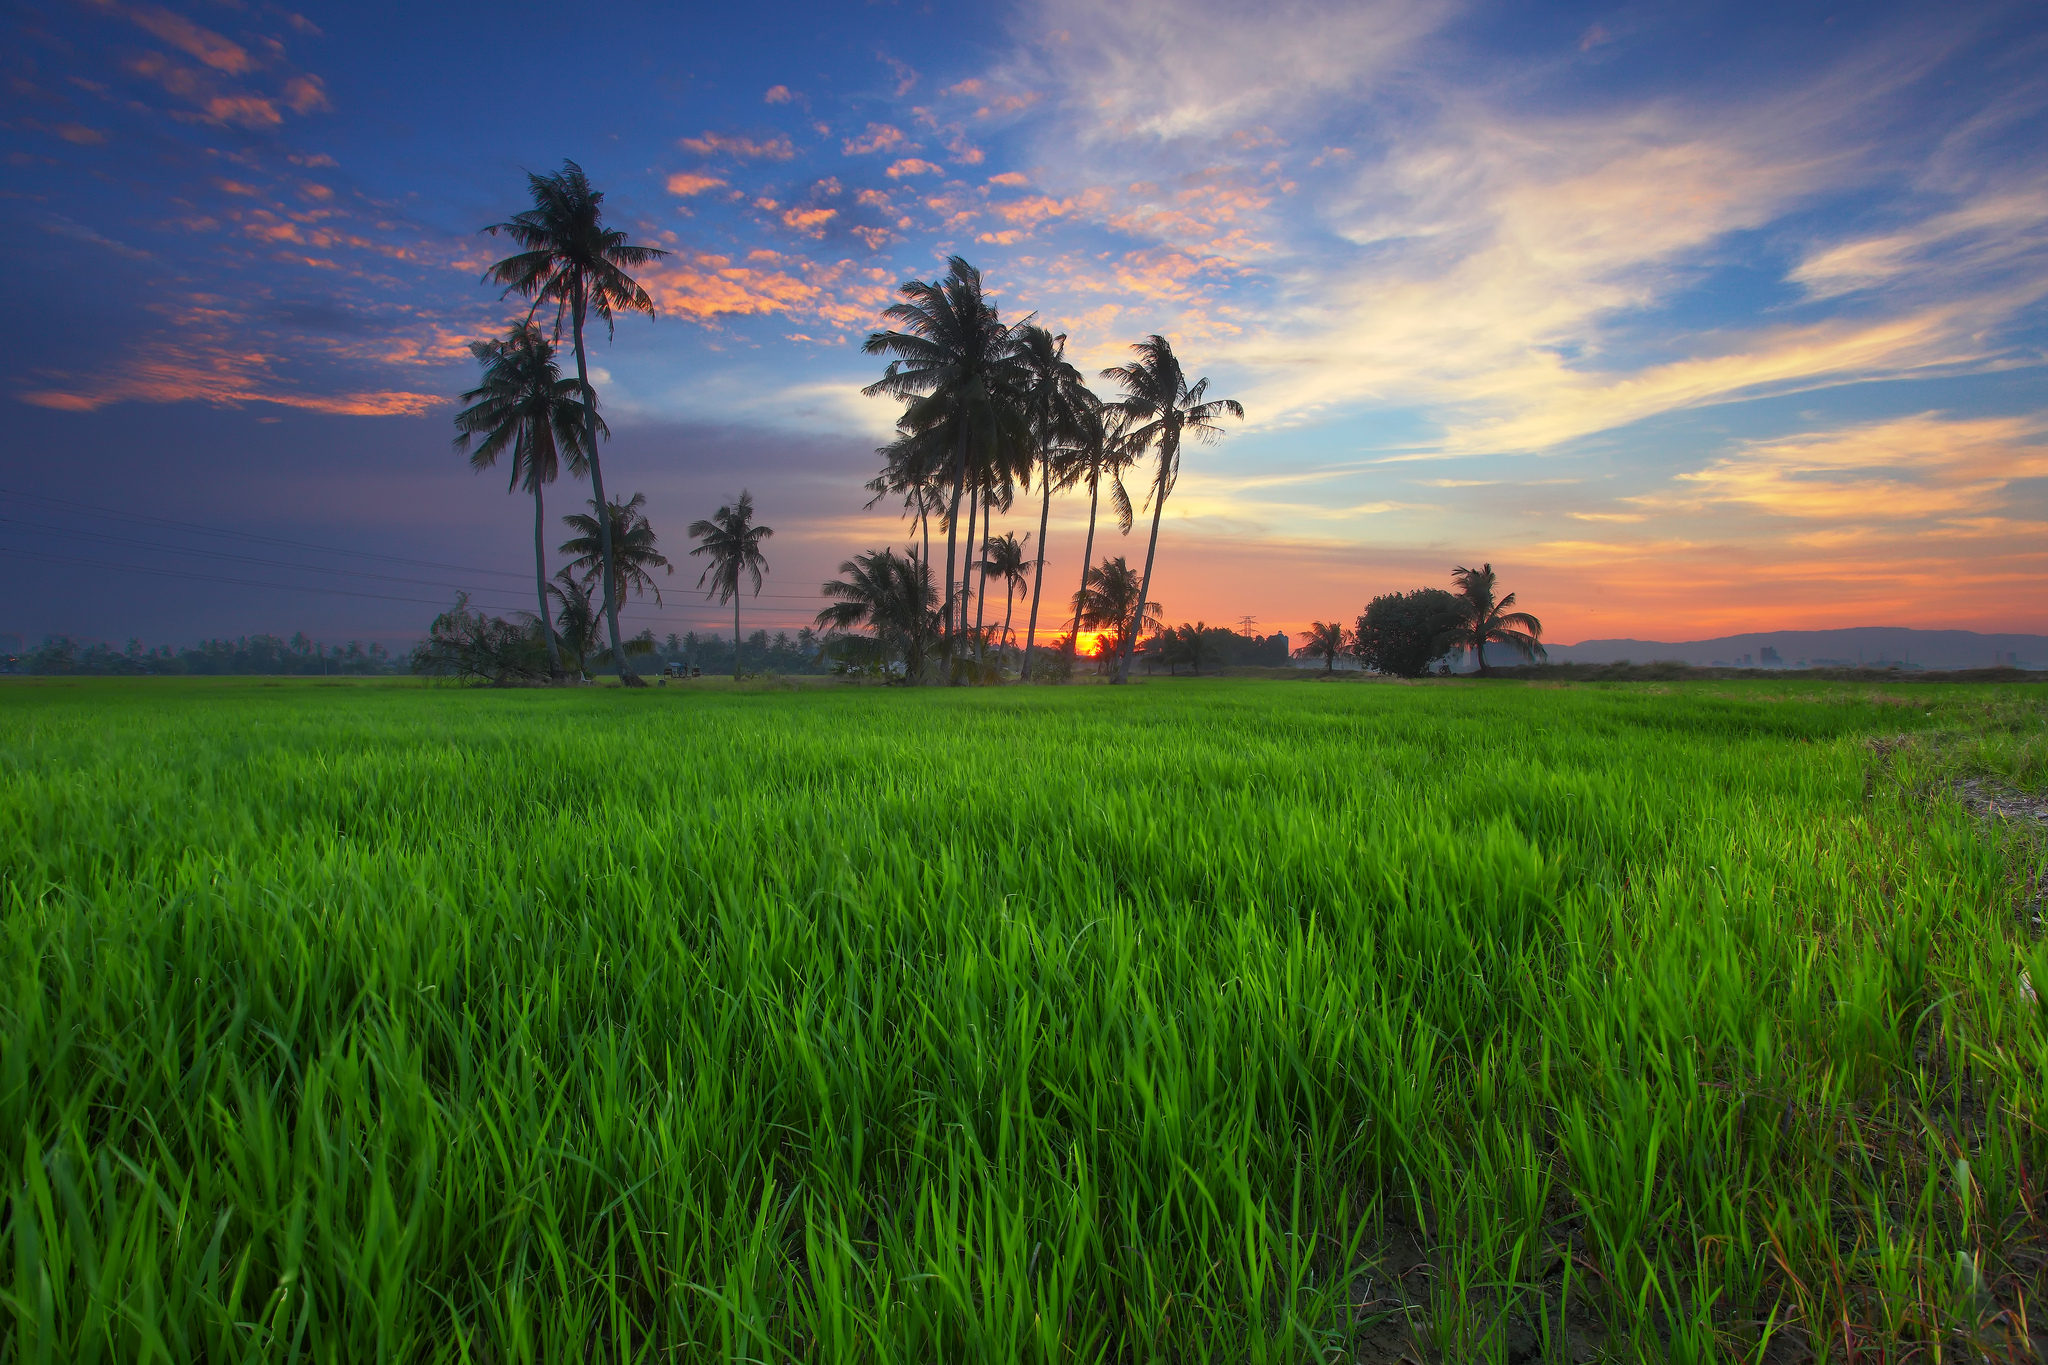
(735, 626)
(1123, 668)
(540, 584)
(1087, 553)
(1009, 610)
(604, 514)
(1037, 575)
(952, 536)
(981, 585)
(967, 567)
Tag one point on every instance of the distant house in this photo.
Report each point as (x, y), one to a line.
(1771, 657)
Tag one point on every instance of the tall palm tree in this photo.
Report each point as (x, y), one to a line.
(573, 261)
(734, 544)
(1162, 409)
(894, 596)
(1065, 418)
(1003, 556)
(995, 497)
(954, 368)
(1325, 640)
(913, 465)
(633, 547)
(1110, 598)
(1487, 620)
(525, 406)
(1105, 453)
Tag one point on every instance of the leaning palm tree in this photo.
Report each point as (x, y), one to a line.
(1326, 640)
(1162, 409)
(734, 544)
(573, 261)
(1489, 621)
(954, 368)
(633, 548)
(1104, 453)
(892, 595)
(523, 405)
(1110, 600)
(1003, 556)
(1066, 418)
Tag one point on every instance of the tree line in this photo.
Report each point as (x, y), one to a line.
(991, 410)
(260, 655)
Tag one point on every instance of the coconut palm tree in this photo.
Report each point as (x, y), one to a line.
(1065, 418)
(954, 367)
(633, 548)
(523, 405)
(913, 465)
(892, 595)
(1489, 621)
(1003, 556)
(573, 261)
(578, 621)
(734, 544)
(1325, 640)
(1110, 599)
(1162, 409)
(1103, 454)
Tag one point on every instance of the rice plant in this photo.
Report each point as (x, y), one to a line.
(1238, 1021)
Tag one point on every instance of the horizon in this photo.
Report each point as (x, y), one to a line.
(1720, 323)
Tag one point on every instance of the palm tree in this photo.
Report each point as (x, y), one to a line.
(1110, 598)
(954, 368)
(572, 260)
(892, 595)
(1105, 452)
(578, 621)
(734, 544)
(1163, 409)
(1065, 419)
(525, 406)
(913, 465)
(1489, 621)
(1003, 556)
(633, 548)
(1325, 640)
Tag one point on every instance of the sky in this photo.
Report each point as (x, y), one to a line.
(1690, 319)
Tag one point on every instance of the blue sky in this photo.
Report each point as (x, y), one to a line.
(1691, 319)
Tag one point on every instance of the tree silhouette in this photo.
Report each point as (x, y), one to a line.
(1324, 640)
(1490, 622)
(524, 406)
(573, 261)
(633, 547)
(1162, 409)
(733, 542)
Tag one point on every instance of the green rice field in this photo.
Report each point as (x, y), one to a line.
(1220, 1020)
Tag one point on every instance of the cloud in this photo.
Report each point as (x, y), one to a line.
(204, 44)
(913, 166)
(705, 287)
(687, 183)
(170, 372)
(880, 137)
(810, 222)
(775, 148)
(1010, 179)
(1910, 469)
(61, 226)
(777, 94)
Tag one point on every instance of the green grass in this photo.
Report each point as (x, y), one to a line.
(1226, 1020)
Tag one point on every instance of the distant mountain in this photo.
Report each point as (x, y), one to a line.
(1875, 646)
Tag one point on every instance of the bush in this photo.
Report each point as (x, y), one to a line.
(474, 647)
(1404, 633)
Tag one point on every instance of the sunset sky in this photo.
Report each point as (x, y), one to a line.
(1692, 319)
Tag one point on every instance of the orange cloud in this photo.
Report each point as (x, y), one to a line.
(169, 373)
(776, 148)
(777, 94)
(811, 222)
(181, 33)
(880, 137)
(704, 287)
(305, 94)
(913, 166)
(1012, 179)
(687, 183)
